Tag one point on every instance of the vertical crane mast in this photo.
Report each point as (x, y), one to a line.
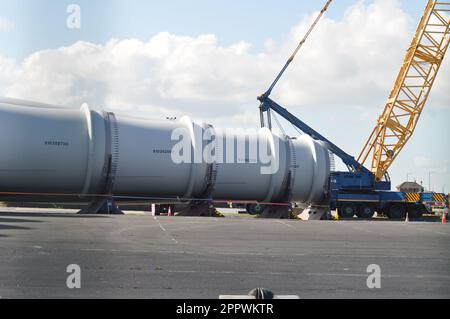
(410, 93)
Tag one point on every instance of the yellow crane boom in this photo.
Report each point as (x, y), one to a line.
(411, 89)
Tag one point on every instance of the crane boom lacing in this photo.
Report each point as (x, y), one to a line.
(411, 90)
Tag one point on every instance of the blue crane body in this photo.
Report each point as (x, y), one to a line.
(360, 191)
(356, 191)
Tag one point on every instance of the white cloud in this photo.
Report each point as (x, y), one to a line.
(423, 161)
(350, 63)
(432, 164)
(5, 25)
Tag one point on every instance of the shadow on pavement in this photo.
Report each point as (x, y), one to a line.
(58, 215)
(429, 218)
(10, 227)
(18, 220)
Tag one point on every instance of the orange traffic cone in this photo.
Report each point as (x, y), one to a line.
(169, 212)
(407, 217)
(444, 216)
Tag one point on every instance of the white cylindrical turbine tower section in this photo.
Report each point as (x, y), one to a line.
(310, 170)
(48, 149)
(254, 165)
(145, 165)
(42, 149)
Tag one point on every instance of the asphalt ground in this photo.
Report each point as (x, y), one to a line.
(141, 256)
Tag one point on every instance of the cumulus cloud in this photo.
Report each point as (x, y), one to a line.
(350, 62)
(5, 25)
(432, 164)
(423, 161)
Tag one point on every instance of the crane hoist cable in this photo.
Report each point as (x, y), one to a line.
(281, 127)
(293, 55)
(279, 124)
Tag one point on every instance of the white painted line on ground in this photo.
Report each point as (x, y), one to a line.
(160, 226)
(284, 223)
(164, 230)
(135, 213)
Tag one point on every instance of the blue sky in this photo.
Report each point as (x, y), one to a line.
(41, 25)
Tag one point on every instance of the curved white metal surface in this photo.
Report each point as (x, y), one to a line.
(48, 149)
(90, 159)
(42, 149)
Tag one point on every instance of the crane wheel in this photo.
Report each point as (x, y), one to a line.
(254, 209)
(396, 211)
(416, 210)
(366, 211)
(347, 211)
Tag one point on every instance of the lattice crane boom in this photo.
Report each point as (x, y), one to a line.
(411, 89)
